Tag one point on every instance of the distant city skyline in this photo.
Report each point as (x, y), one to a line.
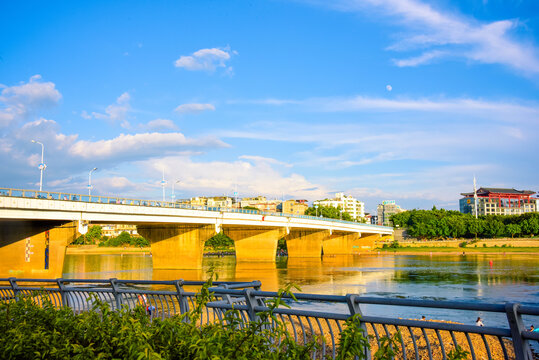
(393, 99)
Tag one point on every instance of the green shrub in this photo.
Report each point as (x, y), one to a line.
(29, 330)
(463, 244)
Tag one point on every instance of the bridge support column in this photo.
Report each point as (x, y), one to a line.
(366, 242)
(34, 249)
(306, 243)
(255, 244)
(177, 246)
(341, 244)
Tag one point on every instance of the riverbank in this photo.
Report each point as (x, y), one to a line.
(459, 250)
(103, 250)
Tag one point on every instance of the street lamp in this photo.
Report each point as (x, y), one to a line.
(341, 213)
(316, 210)
(90, 181)
(173, 196)
(163, 183)
(42, 165)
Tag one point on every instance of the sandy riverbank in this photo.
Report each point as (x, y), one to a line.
(457, 250)
(94, 249)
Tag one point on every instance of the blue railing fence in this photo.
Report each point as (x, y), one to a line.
(35, 194)
(420, 339)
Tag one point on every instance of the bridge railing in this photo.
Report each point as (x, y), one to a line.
(35, 194)
(304, 320)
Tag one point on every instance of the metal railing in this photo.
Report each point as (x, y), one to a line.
(420, 339)
(36, 194)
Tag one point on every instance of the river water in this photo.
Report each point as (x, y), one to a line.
(473, 277)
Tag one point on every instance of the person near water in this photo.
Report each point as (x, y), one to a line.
(479, 322)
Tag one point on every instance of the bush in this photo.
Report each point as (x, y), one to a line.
(29, 330)
(124, 239)
(463, 244)
(394, 244)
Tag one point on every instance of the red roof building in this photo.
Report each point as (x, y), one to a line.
(499, 201)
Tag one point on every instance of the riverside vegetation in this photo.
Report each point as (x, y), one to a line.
(29, 330)
(94, 236)
(446, 224)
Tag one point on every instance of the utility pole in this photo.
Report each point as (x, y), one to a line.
(475, 196)
(163, 183)
(90, 181)
(42, 165)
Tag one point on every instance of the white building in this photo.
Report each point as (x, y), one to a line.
(349, 204)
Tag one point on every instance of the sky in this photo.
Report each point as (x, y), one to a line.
(402, 100)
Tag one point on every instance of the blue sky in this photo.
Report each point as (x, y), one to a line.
(381, 99)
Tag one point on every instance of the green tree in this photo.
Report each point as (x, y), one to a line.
(494, 227)
(329, 212)
(93, 235)
(219, 241)
(513, 229)
(475, 226)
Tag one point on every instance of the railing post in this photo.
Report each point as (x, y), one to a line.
(521, 346)
(117, 296)
(62, 289)
(250, 300)
(182, 300)
(354, 308)
(15, 287)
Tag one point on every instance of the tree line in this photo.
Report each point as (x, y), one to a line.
(440, 223)
(329, 212)
(95, 236)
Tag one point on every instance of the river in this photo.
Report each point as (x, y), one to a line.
(492, 278)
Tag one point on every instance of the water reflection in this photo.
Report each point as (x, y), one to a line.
(512, 277)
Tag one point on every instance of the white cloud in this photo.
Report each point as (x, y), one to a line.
(20, 101)
(116, 112)
(262, 159)
(220, 177)
(501, 110)
(422, 59)
(194, 108)
(139, 145)
(206, 60)
(160, 124)
(442, 33)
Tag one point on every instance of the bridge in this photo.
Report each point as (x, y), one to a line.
(36, 227)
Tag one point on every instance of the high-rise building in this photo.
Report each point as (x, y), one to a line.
(348, 204)
(498, 201)
(385, 210)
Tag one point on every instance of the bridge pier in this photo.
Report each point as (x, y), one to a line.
(341, 244)
(306, 243)
(178, 246)
(255, 244)
(34, 249)
(366, 242)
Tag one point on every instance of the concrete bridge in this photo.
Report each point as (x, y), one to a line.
(35, 228)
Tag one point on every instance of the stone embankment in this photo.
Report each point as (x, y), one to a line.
(404, 240)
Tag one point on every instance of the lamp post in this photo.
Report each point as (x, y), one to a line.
(340, 211)
(316, 210)
(173, 196)
(90, 181)
(163, 183)
(42, 165)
